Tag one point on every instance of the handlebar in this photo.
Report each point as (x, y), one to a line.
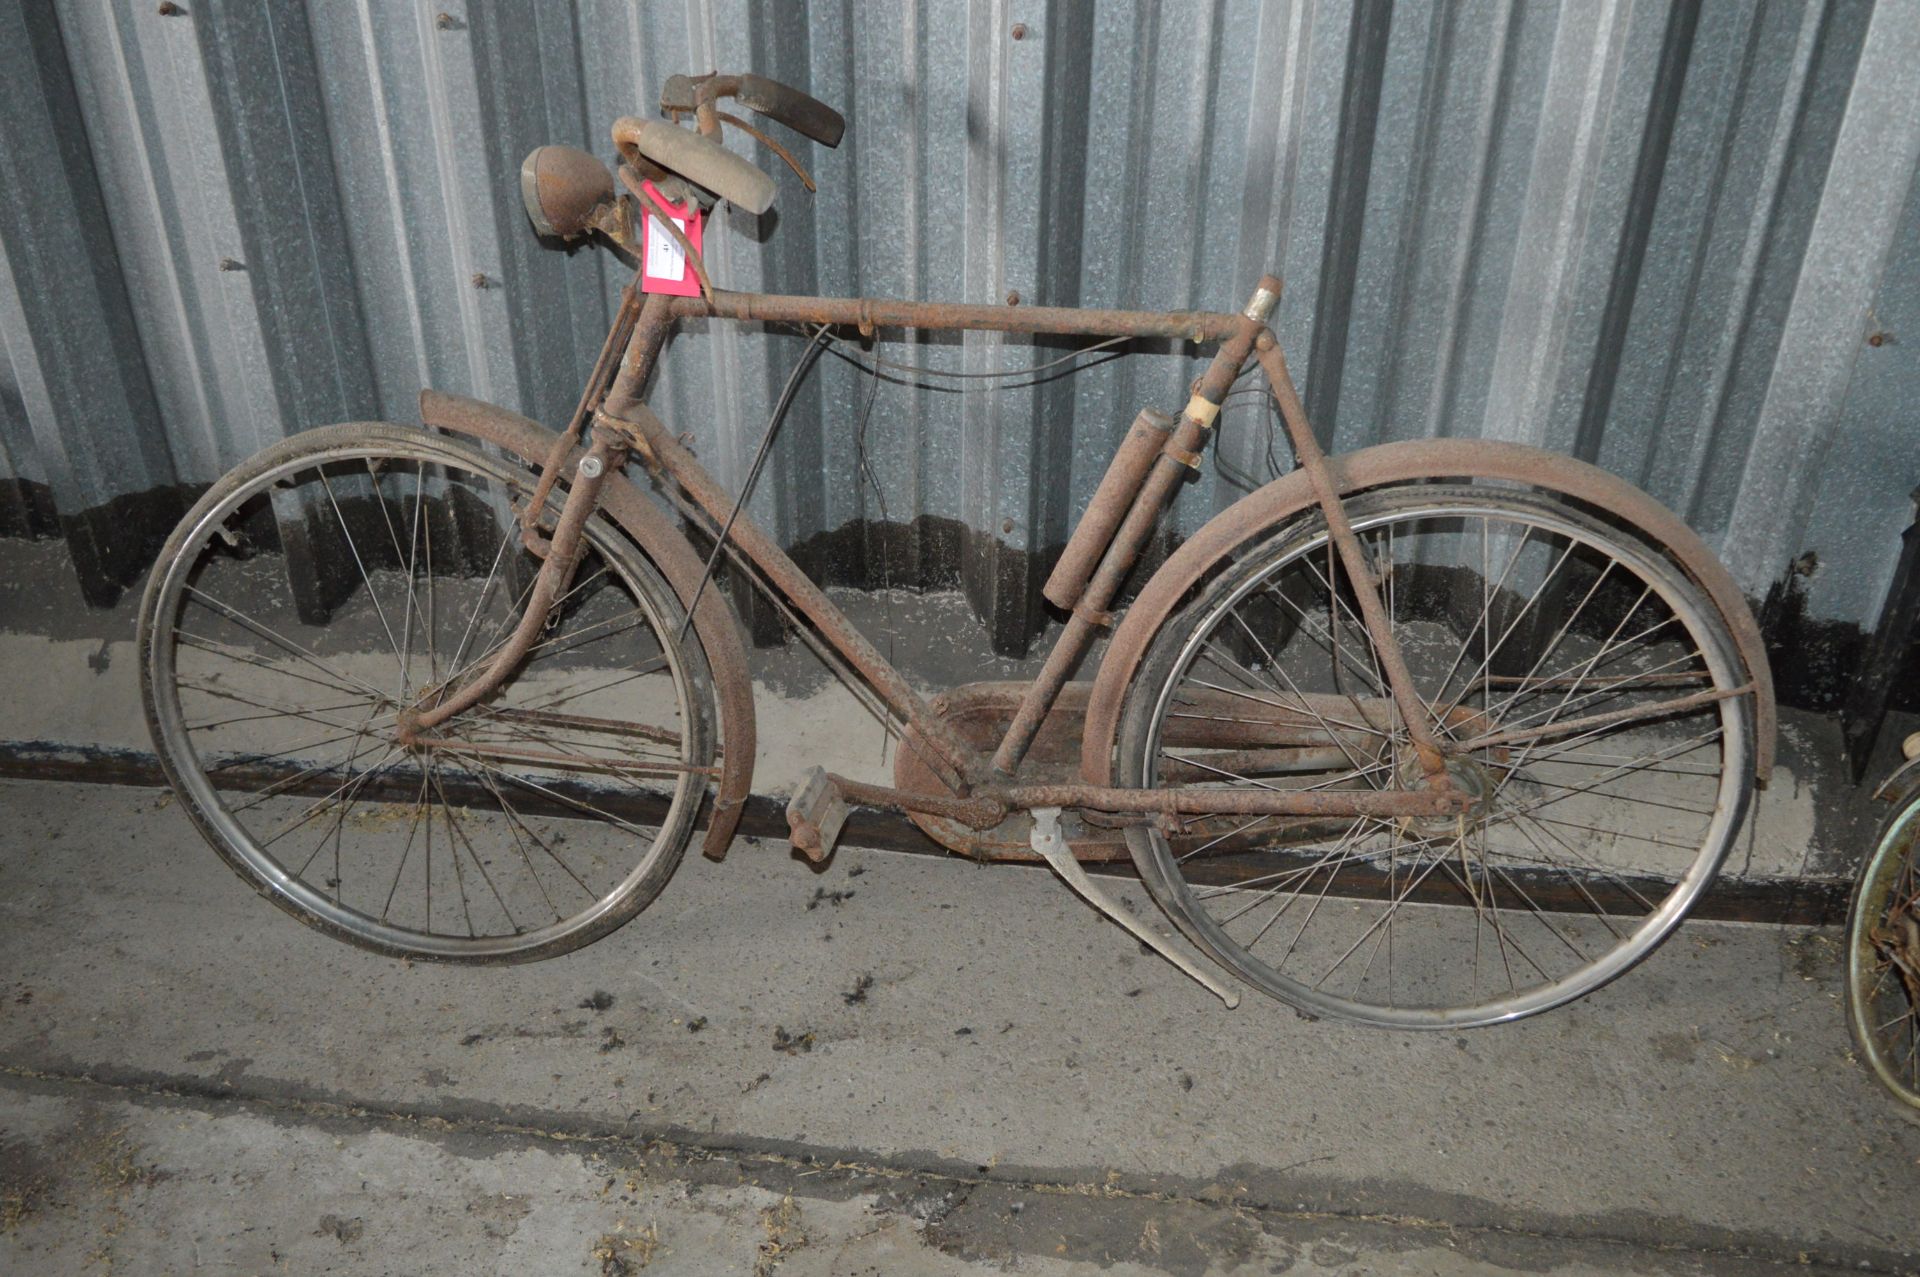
(569, 193)
(803, 114)
(699, 157)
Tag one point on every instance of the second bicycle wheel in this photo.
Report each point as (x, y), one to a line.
(353, 572)
(1883, 956)
(1590, 699)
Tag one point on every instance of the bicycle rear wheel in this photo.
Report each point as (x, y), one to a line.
(1883, 956)
(355, 571)
(1543, 644)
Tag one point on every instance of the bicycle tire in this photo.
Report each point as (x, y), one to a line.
(1884, 899)
(1221, 858)
(262, 534)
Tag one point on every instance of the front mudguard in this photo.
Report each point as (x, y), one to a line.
(1262, 511)
(669, 551)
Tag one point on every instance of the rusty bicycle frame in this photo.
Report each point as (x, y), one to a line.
(983, 789)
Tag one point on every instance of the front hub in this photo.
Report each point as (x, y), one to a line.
(1468, 776)
(406, 728)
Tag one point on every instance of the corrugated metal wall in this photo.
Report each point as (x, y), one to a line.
(1657, 235)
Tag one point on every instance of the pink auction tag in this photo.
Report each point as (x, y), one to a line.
(663, 263)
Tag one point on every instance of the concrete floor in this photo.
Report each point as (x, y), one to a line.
(980, 1075)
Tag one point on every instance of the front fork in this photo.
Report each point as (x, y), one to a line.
(626, 360)
(549, 586)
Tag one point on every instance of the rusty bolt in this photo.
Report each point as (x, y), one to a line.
(168, 9)
(232, 263)
(1876, 340)
(1019, 31)
(1006, 525)
(444, 21)
(1013, 299)
(480, 280)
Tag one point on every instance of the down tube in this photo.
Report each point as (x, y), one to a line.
(959, 765)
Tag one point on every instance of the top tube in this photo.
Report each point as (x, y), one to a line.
(868, 313)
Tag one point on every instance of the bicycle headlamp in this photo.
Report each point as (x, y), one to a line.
(565, 190)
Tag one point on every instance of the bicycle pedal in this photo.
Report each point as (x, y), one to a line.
(815, 815)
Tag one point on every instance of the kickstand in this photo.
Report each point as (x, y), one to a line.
(1053, 849)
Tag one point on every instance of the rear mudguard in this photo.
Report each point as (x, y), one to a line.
(663, 543)
(1262, 511)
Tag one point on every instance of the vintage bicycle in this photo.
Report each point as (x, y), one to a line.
(1439, 733)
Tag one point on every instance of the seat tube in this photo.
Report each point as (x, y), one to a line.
(1180, 454)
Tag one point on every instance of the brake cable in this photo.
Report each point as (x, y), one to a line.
(808, 358)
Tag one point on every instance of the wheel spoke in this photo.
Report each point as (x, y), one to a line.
(459, 840)
(184, 638)
(353, 549)
(413, 829)
(400, 557)
(285, 782)
(413, 602)
(514, 828)
(1274, 665)
(480, 604)
(274, 636)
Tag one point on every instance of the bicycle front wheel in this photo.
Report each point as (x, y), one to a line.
(353, 572)
(1883, 956)
(1589, 698)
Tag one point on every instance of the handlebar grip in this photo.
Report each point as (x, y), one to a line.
(803, 114)
(796, 110)
(700, 161)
